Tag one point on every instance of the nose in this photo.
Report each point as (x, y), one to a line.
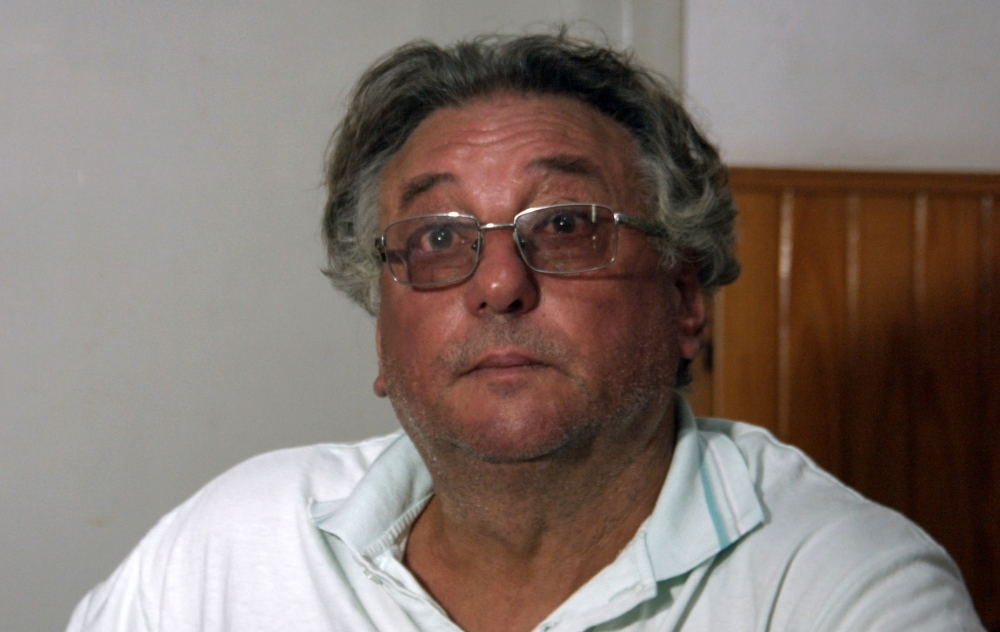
(502, 282)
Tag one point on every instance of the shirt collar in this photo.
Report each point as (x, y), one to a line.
(384, 503)
(707, 503)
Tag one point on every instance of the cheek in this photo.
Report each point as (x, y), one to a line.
(397, 339)
(646, 332)
(626, 325)
(413, 329)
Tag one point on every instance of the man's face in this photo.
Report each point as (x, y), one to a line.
(509, 364)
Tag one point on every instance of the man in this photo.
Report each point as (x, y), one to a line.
(534, 222)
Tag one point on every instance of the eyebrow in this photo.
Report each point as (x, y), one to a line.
(422, 184)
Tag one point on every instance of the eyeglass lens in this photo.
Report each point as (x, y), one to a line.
(439, 249)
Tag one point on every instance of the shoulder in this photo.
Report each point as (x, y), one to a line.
(323, 471)
(828, 557)
(802, 499)
(784, 475)
(268, 493)
(247, 530)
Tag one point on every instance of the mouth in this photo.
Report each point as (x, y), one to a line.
(504, 362)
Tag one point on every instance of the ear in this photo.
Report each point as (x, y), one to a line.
(379, 385)
(690, 310)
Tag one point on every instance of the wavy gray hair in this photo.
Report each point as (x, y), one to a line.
(682, 170)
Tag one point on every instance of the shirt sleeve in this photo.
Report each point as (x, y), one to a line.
(116, 605)
(873, 570)
(911, 588)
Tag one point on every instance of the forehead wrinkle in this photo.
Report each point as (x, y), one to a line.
(569, 164)
(466, 130)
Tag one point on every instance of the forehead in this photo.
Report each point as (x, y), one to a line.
(509, 141)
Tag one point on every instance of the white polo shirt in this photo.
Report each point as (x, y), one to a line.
(747, 534)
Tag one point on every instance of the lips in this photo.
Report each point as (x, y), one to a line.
(501, 360)
(498, 347)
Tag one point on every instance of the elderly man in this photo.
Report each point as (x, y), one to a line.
(534, 222)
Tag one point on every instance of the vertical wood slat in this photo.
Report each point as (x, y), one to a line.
(785, 251)
(888, 287)
(817, 339)
(987, 590)
(946, 418)
(853, 278)
(852, 299)
(876, 437)
(919, 310)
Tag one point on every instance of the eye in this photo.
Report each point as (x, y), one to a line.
(438, 238)
(564, 223)
(572, 222)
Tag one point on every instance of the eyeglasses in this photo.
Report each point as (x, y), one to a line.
(431, 250)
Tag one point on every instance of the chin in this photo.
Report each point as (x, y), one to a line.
(505, 442)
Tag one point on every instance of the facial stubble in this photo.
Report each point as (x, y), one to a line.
(636, 385)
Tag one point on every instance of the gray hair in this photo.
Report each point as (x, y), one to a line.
(682, 170)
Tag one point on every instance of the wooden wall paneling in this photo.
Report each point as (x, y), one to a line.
(945, 414)
(876, 437)
(986, 584)
(905, 182)
(745, 318)
(880, 293)
(786, 248)
(818, 328)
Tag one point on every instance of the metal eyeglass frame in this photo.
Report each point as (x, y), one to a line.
(621, 219)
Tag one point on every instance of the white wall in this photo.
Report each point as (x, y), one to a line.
(908, 84)
(162, 314)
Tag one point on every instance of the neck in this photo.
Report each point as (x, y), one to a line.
(532, 533)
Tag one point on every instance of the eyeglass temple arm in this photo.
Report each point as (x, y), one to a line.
(640, 224)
